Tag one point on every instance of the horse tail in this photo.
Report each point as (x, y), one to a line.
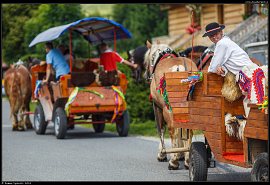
(15, 96)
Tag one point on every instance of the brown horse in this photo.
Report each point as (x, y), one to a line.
(160, 59)
(18, 90)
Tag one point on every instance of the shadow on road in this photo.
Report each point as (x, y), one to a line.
(82, 133)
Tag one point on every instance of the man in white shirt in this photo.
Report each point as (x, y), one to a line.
(228, 56)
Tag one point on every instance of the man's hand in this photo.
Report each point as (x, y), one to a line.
(220, 71)
(44, 81)
(135, 66)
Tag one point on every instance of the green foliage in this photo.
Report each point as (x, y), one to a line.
(51, 15)
(144, 21)
(14, 17)
(137, 96)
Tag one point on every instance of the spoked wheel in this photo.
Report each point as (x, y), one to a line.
(60, 123)
(260, 171)
(198, 162)
(40, 124)
(122, 124)
(98, 127)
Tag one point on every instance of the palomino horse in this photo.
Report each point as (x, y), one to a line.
(160, 59)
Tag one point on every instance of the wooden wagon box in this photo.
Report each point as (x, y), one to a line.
(206, 111)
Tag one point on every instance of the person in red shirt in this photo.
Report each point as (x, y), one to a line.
(108, 59)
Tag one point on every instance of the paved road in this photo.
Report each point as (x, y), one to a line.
(86, 156)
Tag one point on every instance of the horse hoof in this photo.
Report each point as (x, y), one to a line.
(21, 129)
(29, 126)
(170, 167)
(186, 166)
(14, 128)
(162, 159)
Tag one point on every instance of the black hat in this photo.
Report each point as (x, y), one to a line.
(213, 28)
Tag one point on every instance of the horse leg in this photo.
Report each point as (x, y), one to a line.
(14, 122)
(174, 160)
(161, 130)
(21, 123)
(173, 132)
(187, 143)
(27, 118)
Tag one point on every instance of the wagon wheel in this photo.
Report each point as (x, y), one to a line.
(60, 123)
(198, 162)
(260, 171)
(98, 127)
(40, 124)
(122, 124)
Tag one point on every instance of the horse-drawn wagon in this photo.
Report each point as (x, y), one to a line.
(78, 97)
(189, 99)
(207, 111)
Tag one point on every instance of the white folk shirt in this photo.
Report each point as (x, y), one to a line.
(229, 56)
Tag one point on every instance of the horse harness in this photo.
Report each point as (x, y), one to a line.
(166, 53)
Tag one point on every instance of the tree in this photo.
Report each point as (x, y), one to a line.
(144, 21)
(51, 15)
(14, 17)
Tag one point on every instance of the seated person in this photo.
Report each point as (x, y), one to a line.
(65, 51)
(108, 59)
(55, 60)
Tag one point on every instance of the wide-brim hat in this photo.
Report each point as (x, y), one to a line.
(213, 28)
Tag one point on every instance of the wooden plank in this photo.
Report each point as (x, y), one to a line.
(182, 110)
(234, 145)
(235, 150)
(171, 88)
(257, 124)
(180, 104)
(233, 14)
(177, 95)
(233, 20)
(205, 112)
(188, 125)
(169, 75)
(181, 21)
(209, 15)
(177, 99)
(214, 77)
(204, 105)
(177, 88)
(256, 133)
(173, 81)
(229, 8)
(213, 91)
(207, 99)
(178, 116)
(245, 148)
(209, 8)
(223, 133)
(214, 84)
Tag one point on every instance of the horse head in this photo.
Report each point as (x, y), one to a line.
(137, 56)
(154, 54)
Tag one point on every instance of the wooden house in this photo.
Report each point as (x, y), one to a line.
(179, 19)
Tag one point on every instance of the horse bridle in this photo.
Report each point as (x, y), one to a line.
(166, 53)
